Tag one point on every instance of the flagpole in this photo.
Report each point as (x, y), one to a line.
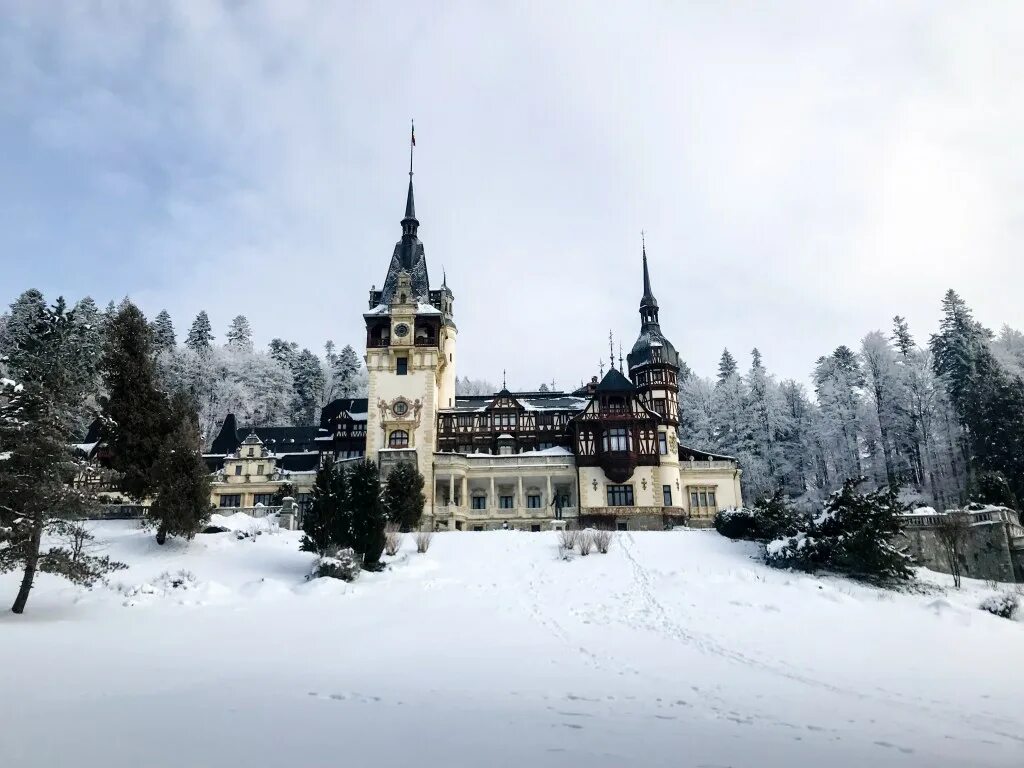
(412, 143)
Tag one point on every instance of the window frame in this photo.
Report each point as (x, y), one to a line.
(394, 435)
(620, 495)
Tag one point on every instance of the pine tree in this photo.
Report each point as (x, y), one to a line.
(346, 371)
(403, 496)
(240, 334)
(200, 335)
(135, 412)
(308, 382)
(163, 332)
(50, 356)
(901, 336)
(283, 352)
(726, 366)
(182, 480)
(327, 523)
(368, 518)
(853, 535)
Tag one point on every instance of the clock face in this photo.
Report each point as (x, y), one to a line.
(401, 330)
(400, 408)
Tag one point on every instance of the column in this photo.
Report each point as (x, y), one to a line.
(464, 501)
(521, 501)
(492, 502)
(451, 489)
(549, 499)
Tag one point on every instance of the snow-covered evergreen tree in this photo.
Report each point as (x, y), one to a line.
(200, 335)
(239, 335)
(403, 496)
(181, 505)
(308, 383)
(163, 332)
(727, 366)
(347, 375)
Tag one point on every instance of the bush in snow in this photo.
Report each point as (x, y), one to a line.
(423, 539)
(1004, 604)
(344, 565)
(567, 538)
(852, 535)
(603, 540)
(585, 542)
(770, 518)
(392, 539)
(993, 488)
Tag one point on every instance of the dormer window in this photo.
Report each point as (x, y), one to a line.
(615, 405)
(251, 449)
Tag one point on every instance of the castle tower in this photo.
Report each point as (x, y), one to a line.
(410, 356)
(654, 368)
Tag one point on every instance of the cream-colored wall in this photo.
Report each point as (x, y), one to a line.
(446, 388)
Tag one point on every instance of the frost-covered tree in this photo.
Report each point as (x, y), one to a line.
(50, 357)
(308, 383)
(239, 335)
(347, 376)
(467, 386)
(327, 524)
(163, 332)
(200, 335)
(368, 516)
(727, 366)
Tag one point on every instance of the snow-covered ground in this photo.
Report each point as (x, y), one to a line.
(675, 649)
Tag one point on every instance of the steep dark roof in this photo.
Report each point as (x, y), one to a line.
(408, 256)
(539, 401)
(355, 407)
(686, 451)
(614, 381)
(277, 439)
(651, 338)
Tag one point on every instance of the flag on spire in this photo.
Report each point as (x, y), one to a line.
(413, 134)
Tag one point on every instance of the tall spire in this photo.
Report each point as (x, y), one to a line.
(410, 224)
(648, 304)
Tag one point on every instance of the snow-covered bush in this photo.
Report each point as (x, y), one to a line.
(423, 539)
(1004, 604)
(567, 538)
(852, 535)
(392, 539)
(770, 518)
(603, 540)
(585, 542)
(344, 565)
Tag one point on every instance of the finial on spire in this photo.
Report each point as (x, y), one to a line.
(444, 277)
(611, 350)
(503, 384)
(412, 143)
(600, 367)
(620, 357)
(409, 223)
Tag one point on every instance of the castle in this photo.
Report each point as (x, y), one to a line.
(606, 455)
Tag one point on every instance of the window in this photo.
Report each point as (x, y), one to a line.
(478, 528)
(505, 502)
(620, 495)
(616, 405)
(400, 408)
(250, 451)
(616, 439)
(704, 500)
(402, 364)
(231, 500)
(464, 420)
(238, 469)
(620, 526)
(666, 495)
(398, 439)
(266, 499)
(479, 502)
(662, 443)
(259, 469)
(465, 448)
(694, 501)
(304, 500)
(533, 501)
(711, 499)
(535, 528)
(658, 405)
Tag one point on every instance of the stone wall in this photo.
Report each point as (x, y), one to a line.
(991, 552)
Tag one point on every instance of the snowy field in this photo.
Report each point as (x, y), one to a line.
(675, 649)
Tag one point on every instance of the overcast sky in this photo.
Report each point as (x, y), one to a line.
(804, 171)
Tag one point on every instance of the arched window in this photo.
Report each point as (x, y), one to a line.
(398, 439)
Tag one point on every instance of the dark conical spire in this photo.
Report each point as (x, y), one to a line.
(648, 299)
(410, 224)
(410, 202)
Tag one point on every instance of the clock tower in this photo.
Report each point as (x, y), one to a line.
(410, 357)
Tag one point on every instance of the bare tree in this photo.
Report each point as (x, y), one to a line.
(953, 531)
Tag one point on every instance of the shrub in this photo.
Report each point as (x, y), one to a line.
(423, 539)
(567, 539)
(770, 518)
(392, 539)
(343, 565)
(852, 535)
(1004, 604)
(993, 488)
(585, 542)
(603, 540)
